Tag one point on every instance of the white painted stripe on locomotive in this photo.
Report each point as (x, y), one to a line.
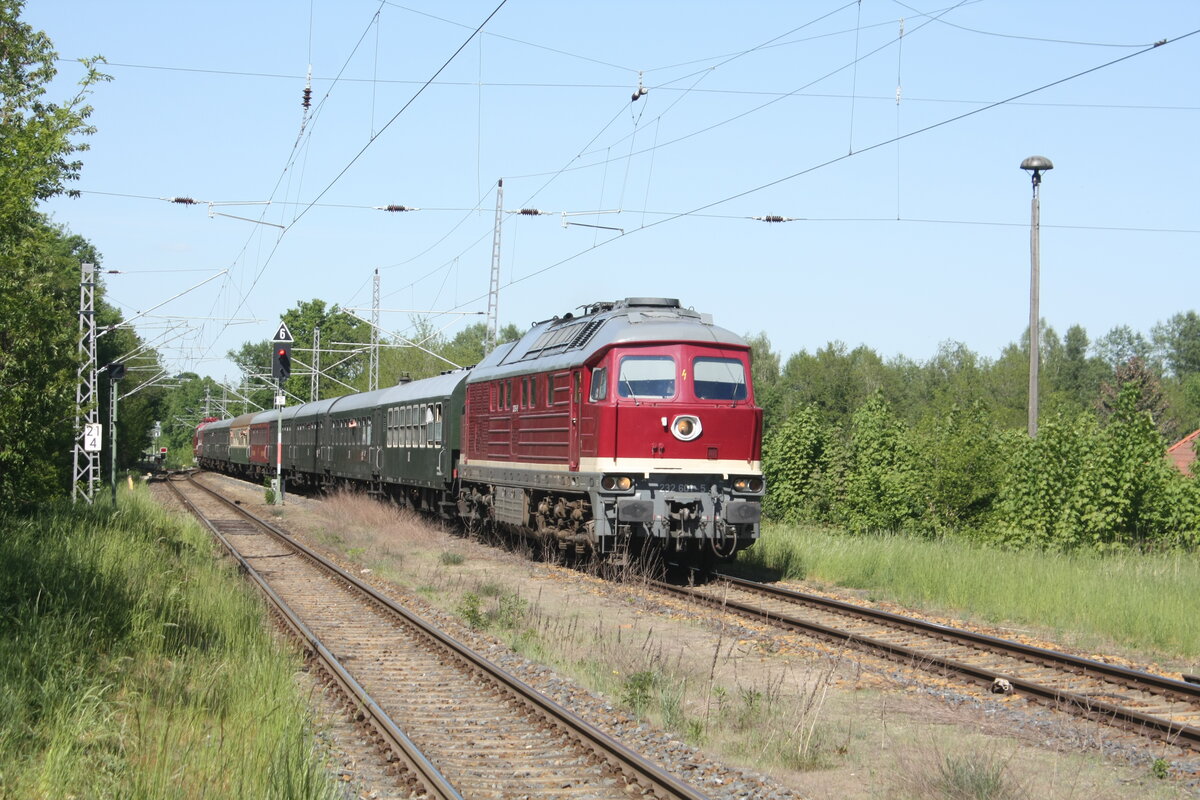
(632, 466)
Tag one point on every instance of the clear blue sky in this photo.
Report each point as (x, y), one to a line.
(769, 108)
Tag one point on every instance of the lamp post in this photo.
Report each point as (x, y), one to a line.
(1036, 165)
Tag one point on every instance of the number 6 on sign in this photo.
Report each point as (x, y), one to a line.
(92, 437)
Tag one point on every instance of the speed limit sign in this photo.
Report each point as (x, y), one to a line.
(92, 437)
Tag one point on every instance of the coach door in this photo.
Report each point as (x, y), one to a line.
(375, 440)
(576, 413)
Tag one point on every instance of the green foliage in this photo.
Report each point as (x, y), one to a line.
(1108, 488)
(962, 458)
(939, 447)
(507, 613)
(1178, 343)
(638, 689)
(39, 264)
(797, 464)
(470, 608)
(835, 379)
(133, 664)
(883, 487)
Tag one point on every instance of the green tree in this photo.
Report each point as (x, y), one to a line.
(467, 347)
(1121, 344)
(883, 491)
(764, 377)
(1150, 397)
(340, 332)
(798, 466)
(38, 274)
(961, 464)
(1178, 343)
(835, 379)
(1126, 480)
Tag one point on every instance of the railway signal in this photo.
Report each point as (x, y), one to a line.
(281, 361)
(281, 368)
(281, 354)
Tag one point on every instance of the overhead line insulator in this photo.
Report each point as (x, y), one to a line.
(774, 218)
(183, 201)
(394, 207)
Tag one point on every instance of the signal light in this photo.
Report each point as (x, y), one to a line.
(281, 361)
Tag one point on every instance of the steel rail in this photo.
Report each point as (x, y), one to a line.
(1139, 678)
(1153, 726)
(636, 767)
(418, 765)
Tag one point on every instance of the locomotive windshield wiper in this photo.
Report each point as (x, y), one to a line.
(629, 387)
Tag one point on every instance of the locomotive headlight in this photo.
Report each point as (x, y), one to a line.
(686, 427)
(616, 483)
(748, 485)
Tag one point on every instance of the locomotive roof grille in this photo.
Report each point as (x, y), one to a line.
(566, 337)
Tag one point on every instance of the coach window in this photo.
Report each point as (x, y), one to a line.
(437, 424)
(599, 385)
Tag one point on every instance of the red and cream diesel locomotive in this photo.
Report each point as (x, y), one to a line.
(628, 427)
(632, 424)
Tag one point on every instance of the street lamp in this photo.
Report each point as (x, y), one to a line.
(1036, 165)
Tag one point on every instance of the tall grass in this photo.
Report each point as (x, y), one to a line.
(1147, 603)
(132, 665)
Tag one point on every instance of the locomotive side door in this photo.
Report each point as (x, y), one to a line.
(576, 413)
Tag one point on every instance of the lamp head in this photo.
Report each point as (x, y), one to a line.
(1037, 164)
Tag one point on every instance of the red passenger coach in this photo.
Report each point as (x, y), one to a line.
(630, 425)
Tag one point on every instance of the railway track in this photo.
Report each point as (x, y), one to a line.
(453, 724)
(1153, 705)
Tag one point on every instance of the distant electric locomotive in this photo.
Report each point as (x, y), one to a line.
(630, 426)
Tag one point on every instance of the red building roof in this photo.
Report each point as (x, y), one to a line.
(1183, 452)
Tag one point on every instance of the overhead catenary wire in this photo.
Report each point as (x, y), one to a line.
(862, 151)
(639, 143)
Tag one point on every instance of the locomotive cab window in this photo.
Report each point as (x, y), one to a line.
(719, 379)
(646, 376)
(599, 385)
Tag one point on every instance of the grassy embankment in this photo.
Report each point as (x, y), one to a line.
(133, 665)
(1144, 602)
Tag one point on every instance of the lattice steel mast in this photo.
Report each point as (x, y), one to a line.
(86, 469)
(373, 373)
(494, 287)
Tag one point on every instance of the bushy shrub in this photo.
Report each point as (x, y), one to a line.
(797, 466)
(883, 481)
(1078, 484)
